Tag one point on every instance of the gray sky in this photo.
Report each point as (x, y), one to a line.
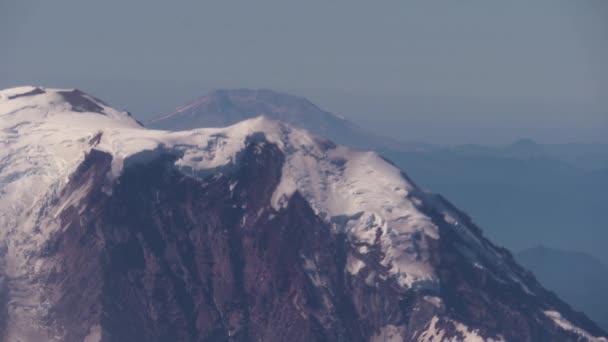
(438, 71)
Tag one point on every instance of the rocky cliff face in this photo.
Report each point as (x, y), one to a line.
(292, 239)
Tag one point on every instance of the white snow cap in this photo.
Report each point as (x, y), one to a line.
(43, 139)
(46, 133)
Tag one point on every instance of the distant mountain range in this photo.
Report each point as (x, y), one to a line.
(578, 278)
(588, 156)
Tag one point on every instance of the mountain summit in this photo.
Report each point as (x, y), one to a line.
(254, 232)
(225, 107)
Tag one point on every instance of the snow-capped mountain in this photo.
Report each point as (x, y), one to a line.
(225, 107)
(254, 232)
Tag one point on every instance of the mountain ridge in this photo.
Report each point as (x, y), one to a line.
(217, 234)
(580, 278)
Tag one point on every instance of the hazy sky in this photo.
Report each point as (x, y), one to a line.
(437, 71)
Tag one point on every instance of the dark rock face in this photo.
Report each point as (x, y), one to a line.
(170, 257)
(82, 102)
(35, 91)
(493, 305)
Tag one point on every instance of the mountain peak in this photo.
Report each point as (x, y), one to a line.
(236, 227)
(77, 99)
(223, 107)
(40, 103)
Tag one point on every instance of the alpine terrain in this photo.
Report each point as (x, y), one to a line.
(514, 191)
(259, 231)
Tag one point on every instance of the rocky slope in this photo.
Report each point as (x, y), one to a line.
(578, 278)
(254, 232)
(513, 191)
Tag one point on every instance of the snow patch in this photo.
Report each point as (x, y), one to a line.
(566, 325)
(389, 333)
(371, 198)
(434, 334)
(354, 264)
(94, 334)
(470, 335)
(436, 301)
